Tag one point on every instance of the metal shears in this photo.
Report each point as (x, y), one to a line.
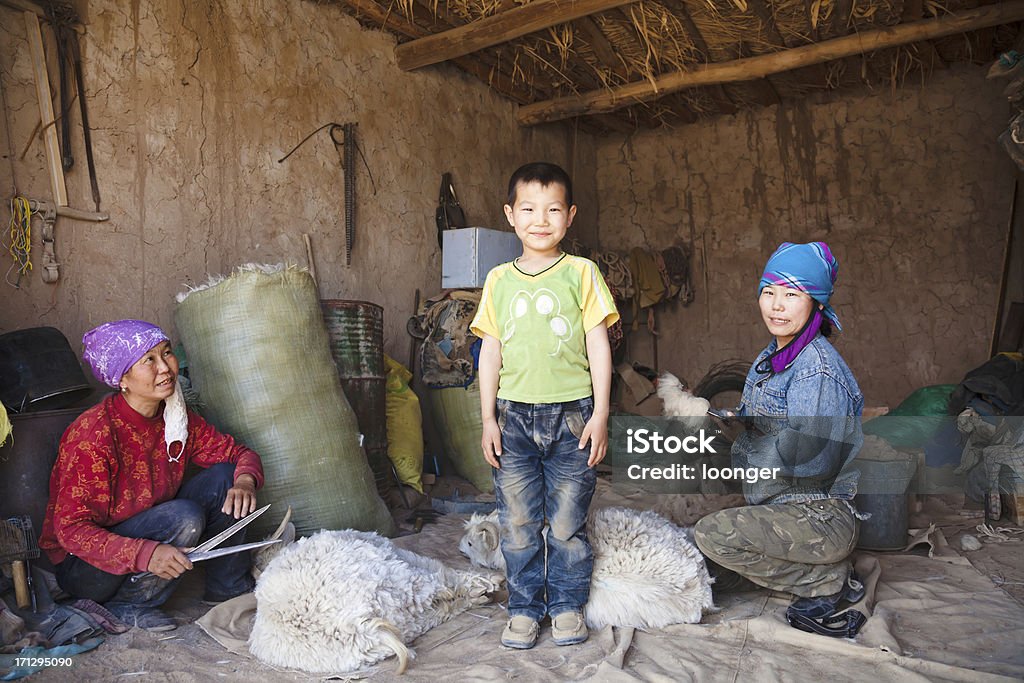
(208, 549)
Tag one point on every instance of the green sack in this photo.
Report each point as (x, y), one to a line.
(930, 400)
(260, 361)
(456, 414)
(916, 420)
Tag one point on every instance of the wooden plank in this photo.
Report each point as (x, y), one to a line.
(496, 29)
(779, 62)
(35, 45)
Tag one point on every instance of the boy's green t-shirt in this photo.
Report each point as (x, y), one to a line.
(542, 321)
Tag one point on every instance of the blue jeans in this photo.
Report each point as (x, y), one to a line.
(182, 522)
(544, 475)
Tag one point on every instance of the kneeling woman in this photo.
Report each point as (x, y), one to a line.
(801, 406)
(117, 503)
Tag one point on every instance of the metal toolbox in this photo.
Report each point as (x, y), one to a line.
(469, 253)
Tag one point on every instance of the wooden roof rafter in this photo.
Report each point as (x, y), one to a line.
(750, 68)
(496, 29)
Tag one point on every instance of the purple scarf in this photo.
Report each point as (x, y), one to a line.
(780, 359)
(113, 348)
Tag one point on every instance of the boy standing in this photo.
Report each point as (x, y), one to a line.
(545, 378)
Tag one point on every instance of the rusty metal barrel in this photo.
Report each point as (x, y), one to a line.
(356, 333)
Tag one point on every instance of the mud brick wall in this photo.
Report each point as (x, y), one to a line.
(910, 189)
(192, 106)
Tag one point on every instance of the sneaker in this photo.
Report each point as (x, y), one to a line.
(147, 618)
(520, 633)
(826, 605)
(568, 628)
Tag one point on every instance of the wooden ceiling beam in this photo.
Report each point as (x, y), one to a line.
(439, 17)
(779, 62)
(497, 29)
(402, 26)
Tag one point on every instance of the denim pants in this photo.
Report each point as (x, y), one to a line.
(193, 515)
(544, 476)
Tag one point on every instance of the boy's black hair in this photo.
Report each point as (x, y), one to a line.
(541, 172)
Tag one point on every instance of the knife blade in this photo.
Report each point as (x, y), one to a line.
(200, 555)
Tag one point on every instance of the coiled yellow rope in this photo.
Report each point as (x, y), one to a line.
(20, 248)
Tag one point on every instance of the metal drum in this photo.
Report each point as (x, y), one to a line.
(356, 333)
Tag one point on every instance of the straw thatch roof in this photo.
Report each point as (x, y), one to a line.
(616, 64)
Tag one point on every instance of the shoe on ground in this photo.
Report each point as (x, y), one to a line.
(520, 633)
(211, 598)
(827, 605)
(147, 618)
(569, 628)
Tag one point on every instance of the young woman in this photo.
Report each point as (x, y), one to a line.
(801, 406)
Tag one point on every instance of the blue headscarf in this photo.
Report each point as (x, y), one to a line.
(810, 268)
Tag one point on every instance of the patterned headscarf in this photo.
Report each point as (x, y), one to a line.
(113, 348)
(810, 268)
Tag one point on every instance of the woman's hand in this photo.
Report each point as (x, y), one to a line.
(491, 442)
(168, 562)
(596, 432)
(241, 498)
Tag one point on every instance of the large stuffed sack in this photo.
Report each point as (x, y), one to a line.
(405, 425)
(260, 361)
(456, 414)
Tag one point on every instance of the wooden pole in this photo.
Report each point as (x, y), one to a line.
(1007, 246)
(496, 29)
(35, 44)
(751, 68)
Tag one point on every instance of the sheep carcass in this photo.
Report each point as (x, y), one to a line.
(339, 601)
(647, 571)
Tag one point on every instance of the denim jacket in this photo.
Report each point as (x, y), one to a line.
(804, 420)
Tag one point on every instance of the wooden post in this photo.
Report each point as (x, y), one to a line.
(35, 44)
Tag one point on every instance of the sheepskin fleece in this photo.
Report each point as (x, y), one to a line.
(647, 571)
(680, 403)
(339, 601)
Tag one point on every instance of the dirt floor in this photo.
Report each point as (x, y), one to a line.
(189, 654)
